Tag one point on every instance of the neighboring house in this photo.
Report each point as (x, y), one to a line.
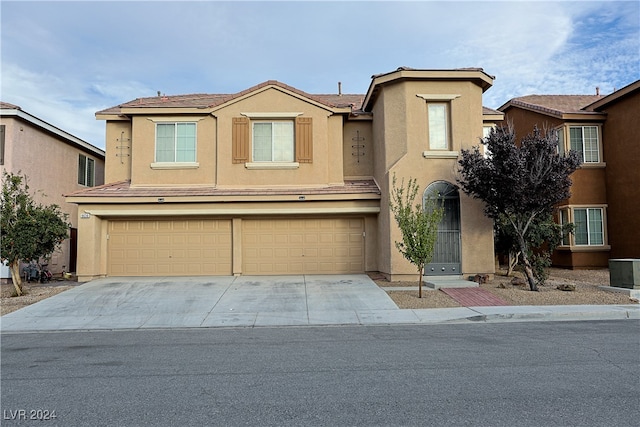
(603, 205)
(55, 163)
(273, 180)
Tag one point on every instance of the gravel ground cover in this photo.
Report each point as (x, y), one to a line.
(586, 282)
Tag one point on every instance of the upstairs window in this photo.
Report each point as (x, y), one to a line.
(86, 171)
(584, 140)
(486, 131)
(560, 137)
(175, 142)
(273, 141)
(438, 126)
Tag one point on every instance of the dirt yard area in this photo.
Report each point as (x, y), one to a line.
(586, 283)
(33, 292)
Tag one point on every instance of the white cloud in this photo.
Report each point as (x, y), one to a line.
(64, 101)
(81, 57)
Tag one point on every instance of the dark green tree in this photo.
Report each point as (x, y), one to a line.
(521, 184)
(29, 230)
(418, 225)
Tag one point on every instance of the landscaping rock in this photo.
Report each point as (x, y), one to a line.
(481, 278)
(517, 281)
(566, 287)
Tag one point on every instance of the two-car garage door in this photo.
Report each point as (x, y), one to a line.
(204, 246)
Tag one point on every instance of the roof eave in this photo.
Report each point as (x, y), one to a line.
(612, 97)
(476, 75)
(586, 116)
(492, 117)
(531, 107)
(49, 128)
(263, 88)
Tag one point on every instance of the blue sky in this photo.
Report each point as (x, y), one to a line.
(63, 61)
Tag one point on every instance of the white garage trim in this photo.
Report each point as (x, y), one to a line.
(249, 211)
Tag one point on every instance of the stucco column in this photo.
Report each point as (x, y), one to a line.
(236, 245)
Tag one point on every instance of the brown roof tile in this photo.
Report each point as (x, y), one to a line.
(202, 100)
(124, 189)
(487, 110)
(553, 104)
(8, 106)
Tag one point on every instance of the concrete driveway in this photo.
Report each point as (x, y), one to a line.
(185, 302)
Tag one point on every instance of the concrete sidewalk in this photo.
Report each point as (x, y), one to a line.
(193, 302)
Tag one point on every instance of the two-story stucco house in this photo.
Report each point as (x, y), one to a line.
(603, 206)
(55, 163)
(273, 180)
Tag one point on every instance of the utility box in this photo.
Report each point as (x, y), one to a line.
(624, 273)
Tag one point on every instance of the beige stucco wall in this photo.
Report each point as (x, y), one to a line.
(358, 161)
(214, 148)
(403, 142)
(326, 168)
(143, 153)
(118, 151)
(51, 166)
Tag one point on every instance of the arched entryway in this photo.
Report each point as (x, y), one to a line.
(446, 255)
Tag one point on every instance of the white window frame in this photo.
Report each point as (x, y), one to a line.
(273, 158)
(86, 171)
(589, 232)
(445, 99)
(563, 219)
(439, 126)
(564, 142)
(570, 241)
(560, 148)
(193, 162)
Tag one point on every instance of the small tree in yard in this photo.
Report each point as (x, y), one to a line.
(418, 225)
(520, 186)
(29, 230)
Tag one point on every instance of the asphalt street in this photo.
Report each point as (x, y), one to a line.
(525, 374)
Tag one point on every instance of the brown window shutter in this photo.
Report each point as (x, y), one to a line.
(304, 140)
(240, 140)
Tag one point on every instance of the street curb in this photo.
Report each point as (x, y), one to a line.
(556, 313)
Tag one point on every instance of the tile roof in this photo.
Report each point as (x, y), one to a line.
(202, 100)
(487, 110)
(553, 104)
(124, 189)
(7, 106)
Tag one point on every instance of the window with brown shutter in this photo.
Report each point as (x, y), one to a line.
(240, 140)
(304, 140)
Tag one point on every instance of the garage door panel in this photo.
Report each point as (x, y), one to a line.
(296, 239)
(303, 246)
(169, 247)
